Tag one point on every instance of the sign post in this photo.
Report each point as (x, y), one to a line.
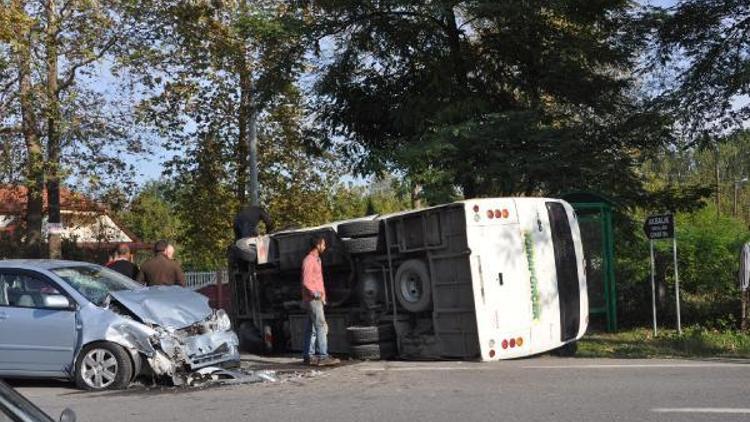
(676, 284)
(653, 285)
(662, 227)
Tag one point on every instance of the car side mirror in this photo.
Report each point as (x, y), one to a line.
(57, 302)
(68, 415)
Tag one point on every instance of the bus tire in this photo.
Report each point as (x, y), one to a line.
(370, 334)
(354, 229)
(374, 351)
(413, 286)
(567, 350)
(361, 245)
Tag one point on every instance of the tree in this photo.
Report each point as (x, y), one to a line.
(296, 182)
(495, 98)
(680, 177)
(68, 129)
(25, 123)
(703, 45)
(151, 214)
(205, 203)
(239, 57)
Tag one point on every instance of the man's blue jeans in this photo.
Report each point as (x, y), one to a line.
(316, 330)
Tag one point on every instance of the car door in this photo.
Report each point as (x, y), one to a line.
(35, 339)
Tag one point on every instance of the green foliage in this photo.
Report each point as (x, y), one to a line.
(294, 184)
(708, 251)
(205, 204)
(150, 215)
(682, 177)
(349, 202)
(708, 258)
(383, 196)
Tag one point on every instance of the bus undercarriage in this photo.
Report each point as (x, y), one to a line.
(400, 284)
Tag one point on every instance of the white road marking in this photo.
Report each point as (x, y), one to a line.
(702, 410)
(424, 368)
(644, 365)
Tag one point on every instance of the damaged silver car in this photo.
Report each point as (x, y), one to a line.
(75, 320)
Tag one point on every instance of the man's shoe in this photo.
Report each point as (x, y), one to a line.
(311, 361)
(328, 361)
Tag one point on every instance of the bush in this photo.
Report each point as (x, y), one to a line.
(708, 257)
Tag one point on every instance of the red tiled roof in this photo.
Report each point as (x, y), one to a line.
(13, 200)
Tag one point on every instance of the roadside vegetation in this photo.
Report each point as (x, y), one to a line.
(695, 342)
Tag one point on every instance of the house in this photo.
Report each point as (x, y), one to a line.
(83, 220)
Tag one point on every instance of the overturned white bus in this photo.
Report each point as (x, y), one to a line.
(488, 279)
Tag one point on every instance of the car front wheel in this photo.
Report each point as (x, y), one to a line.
(103, 366)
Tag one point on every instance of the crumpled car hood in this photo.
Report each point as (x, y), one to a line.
(167, 306)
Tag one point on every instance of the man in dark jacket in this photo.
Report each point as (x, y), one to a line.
(246, 227)
(162, 269)
(122, 262)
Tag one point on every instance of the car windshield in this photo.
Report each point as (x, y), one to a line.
(95, 282)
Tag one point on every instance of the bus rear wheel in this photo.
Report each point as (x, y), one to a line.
(413, 287)
(567, 350)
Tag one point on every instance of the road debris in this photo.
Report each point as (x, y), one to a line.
(221, 376)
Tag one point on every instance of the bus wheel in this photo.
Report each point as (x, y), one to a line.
(373, 351)
(370, 333)
(362, 228)
(568, 350)
(413, 287)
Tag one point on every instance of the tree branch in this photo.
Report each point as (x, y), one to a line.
(12, 130)
(71, 74)
(366, 16)
(10, 83)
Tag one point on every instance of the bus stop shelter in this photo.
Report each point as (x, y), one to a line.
(595, 221)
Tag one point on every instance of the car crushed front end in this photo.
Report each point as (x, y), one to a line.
(172, 329)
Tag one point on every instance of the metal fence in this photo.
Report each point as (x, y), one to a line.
(196, 280)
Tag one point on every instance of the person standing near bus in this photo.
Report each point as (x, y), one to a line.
(313, 300)
(246, 227)
(123, 262)
(162, 269)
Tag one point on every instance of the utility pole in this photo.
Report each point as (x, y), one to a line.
(252, 161)
(249, 111)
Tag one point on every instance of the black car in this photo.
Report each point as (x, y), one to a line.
(17, 408)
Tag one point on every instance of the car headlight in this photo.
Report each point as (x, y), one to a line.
(223, 323)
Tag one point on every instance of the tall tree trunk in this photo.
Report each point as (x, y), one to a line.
(34, 155)
(53, 135)
(454, 42)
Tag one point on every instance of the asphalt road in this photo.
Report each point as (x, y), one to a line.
(535, 389)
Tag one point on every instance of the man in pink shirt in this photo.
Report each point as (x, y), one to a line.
(313, 299)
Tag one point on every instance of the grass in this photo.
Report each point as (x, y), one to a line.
(641, 343)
